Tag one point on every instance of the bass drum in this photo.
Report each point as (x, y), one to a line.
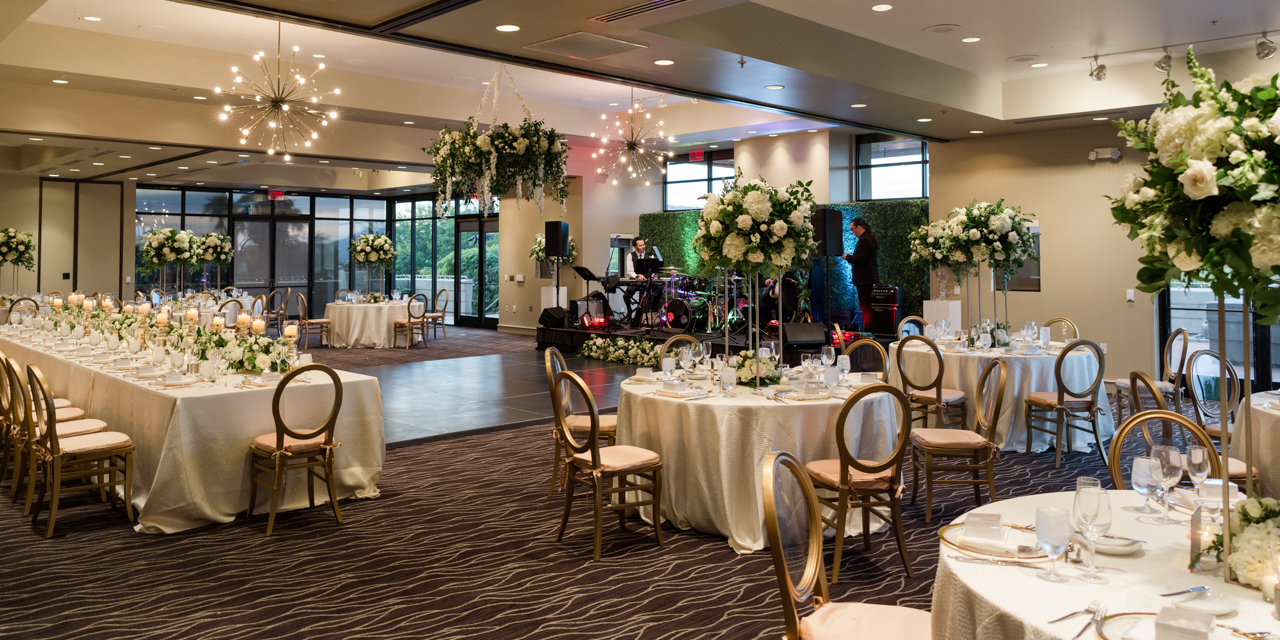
(684, 315)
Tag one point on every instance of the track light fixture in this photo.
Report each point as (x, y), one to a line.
(1265, 48)
(1164, 64)
(1097, 71)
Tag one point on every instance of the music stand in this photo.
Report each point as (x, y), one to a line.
(648, 266)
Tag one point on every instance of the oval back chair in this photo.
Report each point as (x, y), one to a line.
(1067, 406)
(672, 344)
(337, 295)
(1138, 421)
(930, 397)
(863, 345)
(1070, 332)
(914, 321)
(1203, 385)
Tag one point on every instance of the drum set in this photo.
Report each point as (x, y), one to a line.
(689, 304)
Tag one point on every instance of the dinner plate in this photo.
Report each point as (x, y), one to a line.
(1124, 626)
(697, 376)
(1112, 546)
(255, 382)
(1214, 603)
(792, 395)
(952, 533)
(687, 393)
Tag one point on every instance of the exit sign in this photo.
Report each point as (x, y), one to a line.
(697, 155)
(275, 195)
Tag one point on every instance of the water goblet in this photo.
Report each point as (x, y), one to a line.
(1171, 473)
(1053, 532)
(828, 356)
(765, 352)
(1197, 465)
(135, 346)
(806, 361)
(158, 355)
(686, 359)
(704, 351)
(669, 367)
(1145, 477)
(1092, 515)
(728, 380)
(843, 364)
(985, 341)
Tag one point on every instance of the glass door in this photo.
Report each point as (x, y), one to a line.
(292, 266)
(273, 254)
(476, 266)
(253, 256)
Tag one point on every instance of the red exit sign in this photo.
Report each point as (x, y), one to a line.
(697, 155)
(275, 195)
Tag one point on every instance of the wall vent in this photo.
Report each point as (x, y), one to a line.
(637, 9)
(584, 46)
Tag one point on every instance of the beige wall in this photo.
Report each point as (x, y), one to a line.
(787, 158)
(56, 236)
(99, 238)
(21, 210)
(517, 229)
(1087, 262)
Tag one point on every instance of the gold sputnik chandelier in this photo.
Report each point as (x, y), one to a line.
(632, 146)
(282, 112)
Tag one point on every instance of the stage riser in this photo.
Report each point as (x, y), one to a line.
(569, 341)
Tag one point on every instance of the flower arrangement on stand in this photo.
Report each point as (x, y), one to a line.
(216, 250)
(637, 351)
(18, 249)
(538, 252)
(257, 353)
(756, 372)
(162, 247)
(375, 298)
(1001, 236)
(939, 245)
(373, 250)
(1207, 211)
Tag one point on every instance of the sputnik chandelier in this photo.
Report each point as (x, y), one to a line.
(632, 146)
(282, 112)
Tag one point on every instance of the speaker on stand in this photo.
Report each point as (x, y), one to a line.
(828, 231)
(557, 242)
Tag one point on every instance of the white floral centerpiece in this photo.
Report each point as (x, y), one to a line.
(753, 371)
(215, 248)
(753, 226)
(17, 248)
(257, 353)
(375, 297)
(637, 351)
(373, 249)
(937, 246)
(1253, 523)
(162, 247)
(471, 164)
(538, 252)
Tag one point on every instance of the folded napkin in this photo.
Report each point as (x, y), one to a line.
(1008, 546)
(687, 393)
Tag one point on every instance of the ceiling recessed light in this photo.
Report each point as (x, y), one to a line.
(750, 132)
(377, 193)
(408, 122)
(882, 7)
(976, 131)
(773, 135)
(59, 81)
(265, 186)
(858, 105)
(244, 155)
(212, 161)
(126, 157)
(93, 18)
(151, 175)
(924, 119)
(774, 87)
(199, 183)
(1102, 118)
(737, 139)
(402, 167)
(324, 162)
(98, 164)
(317, 55)
(133, 178)
(486, 83)
(970, 39)
(53, 175)
(200, 98)
(184, 168)
(406, 189)
(507, 28)
(813, 131)
(37, 139)
(664, 63)
(613, 104)
(1039, 65)
(75, 169)
(154, 148)
(714, 146)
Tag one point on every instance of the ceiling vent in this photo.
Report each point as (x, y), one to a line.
(103, 153)
(637, 9)
(584, 46)
(941, 28)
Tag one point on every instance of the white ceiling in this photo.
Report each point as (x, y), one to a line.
(1061, 33)
(189, 25)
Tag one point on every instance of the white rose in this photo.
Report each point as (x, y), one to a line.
(235, 353)
(744, 222)
(1200, 180)
(1184, 260)
(974, 234)
(1013, 236)
(756, 256)
(779, 228)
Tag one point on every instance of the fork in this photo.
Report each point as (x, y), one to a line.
(1093, 606)
(1098, 615)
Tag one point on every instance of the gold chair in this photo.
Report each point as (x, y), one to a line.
(92, 457)
(233, 302)
(1170, 383)
(1063, 407)
(1202, 378)
(259, 305)
(277, 309)
(600, 466)
(857, 483)
(931, 397)
(1139, 420)
(1139, 382)
(337, 296)
(915, 321)
(289, 449)
(868, 343)
(306, 324)
(579, 424)
(228, 290)
(24, 306)
(8, 432)
(414, 325)
(70, 422)
(435, 319)
(673, 343)
(840, 346)
(978, 445)
(793, 524)
(1070, 332)
(155, 296)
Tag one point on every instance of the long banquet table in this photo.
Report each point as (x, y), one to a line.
(712, 449)
(191, 458)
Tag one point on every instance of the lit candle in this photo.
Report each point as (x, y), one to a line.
(128, 309)
(162, 319)
(144, 309)
(55, 302)
(291, 331)
(242, 320)
(218, 321)
(88, 305)
(259, 326)
(193, 314)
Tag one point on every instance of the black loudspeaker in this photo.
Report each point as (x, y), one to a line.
(557, 239)
(804, 334)
(553, 318)
(828, 230)
(885, 319)
(887, 294)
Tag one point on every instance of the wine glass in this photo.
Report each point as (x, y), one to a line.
(1053, 532)
(842, 363)
(828, 356)
(1092, 514)
(1145, 477)
(1197, 465)
(686, 359)
(668, 367)
(984, 340)
(704, 351)
(1171, 473)
(728, 379)
(806, 361)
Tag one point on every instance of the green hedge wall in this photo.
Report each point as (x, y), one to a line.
(673, 233)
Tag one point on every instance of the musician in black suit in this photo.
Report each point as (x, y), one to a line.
(638, 252)
(779, 303)
(865, 270)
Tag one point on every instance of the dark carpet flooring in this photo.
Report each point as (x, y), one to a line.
(461, 342)
(460, 545)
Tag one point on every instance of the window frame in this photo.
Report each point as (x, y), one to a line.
(858, 165)
(709, 181)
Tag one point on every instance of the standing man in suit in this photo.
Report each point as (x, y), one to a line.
(865, 271)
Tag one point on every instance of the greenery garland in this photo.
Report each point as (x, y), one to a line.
(637, 351)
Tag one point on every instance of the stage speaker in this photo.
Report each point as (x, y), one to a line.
(557, 239)
(885, 319)
(828, 230)
(553, 318)
(804, 334)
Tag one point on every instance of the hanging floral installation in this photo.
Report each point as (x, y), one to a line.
(475, 164)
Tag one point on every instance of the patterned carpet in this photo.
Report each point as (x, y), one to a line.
(461, 342)
(460, 545)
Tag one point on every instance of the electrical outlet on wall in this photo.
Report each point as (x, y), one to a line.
(1104, 347)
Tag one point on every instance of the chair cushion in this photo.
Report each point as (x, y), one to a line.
(1235, 468)
(827, 472)
(434, 316)
(948, 438)
(1050, 399)
(73, 428)
(949, 396)
(842, 620)
(67, 414)
(61, 403)
(581, 423)
(619, 458)
(1163, 385)
(94, 443)
(267, 442)
(319, 321)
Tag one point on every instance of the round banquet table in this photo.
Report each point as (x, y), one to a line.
(712, 450)
(1026, 373)
(972, 601)
(1265, 417)
(365, 325)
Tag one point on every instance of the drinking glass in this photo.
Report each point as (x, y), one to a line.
(1145, 477)
(772, 346)
(985, 340)
(828, 356)
(844, 365)
(704, 351)
(686, 359)
(1171, 473)
(783, 372)
(1053, 532)
(1092, 514)
(135, 346)
(668, 366)
(158, 355)
(1197, 465)
(728, 380)
(806, 361)
(765, 352)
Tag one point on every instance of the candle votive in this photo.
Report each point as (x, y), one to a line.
(218, 321)
(242, 320)
(291, 331)
(162, 319)
(193, 314)
(128, 309)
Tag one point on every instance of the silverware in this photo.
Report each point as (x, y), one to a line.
(1111, 537)
(1093, 606)
(1191, 590)
(1251, 635)
(699, 398)
(1098, 615)
(996, 563)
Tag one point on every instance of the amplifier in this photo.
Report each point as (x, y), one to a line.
(885, 319)
(593, 307)
(804, 334)
(887, 294)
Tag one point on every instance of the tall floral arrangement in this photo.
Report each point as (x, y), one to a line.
(214, 248)
(996, 234)
(1207, 208)
(538, 252)
(753, 226)
(17, 248)
(161, 247)
(373, 249)
(471, 163)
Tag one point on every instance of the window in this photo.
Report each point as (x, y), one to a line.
(686, 181)
(889, 167)
(1028, 277)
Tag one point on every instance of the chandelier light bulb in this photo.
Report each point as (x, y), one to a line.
(295, 48)
(337, 91)
(321, 65)
(287, 158)
(243, 141)
(314, 135)
(271, 151)
(222, 116)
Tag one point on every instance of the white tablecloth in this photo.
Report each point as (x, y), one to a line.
(712, 450)
(978, 602)
(1026, 374)
(1265, 452)
(191, 459)
(365, 325)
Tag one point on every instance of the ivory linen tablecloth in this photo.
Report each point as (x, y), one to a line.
(191, 458)
(1265, 451)
(365, 325)
(1026, 374)
(978, 602)
(712, 450)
